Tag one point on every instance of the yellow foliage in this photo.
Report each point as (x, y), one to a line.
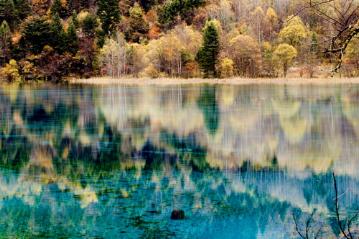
(82, 16)
(294, 31)
(271, 16)
(285, 52)
(10, 72)
(226, 67)
(150, 71)
(245, 52)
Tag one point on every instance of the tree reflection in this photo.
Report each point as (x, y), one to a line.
(238, 165)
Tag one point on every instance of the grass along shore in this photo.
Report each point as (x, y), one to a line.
(229, 81)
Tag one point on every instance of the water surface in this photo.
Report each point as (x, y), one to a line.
(114, 161)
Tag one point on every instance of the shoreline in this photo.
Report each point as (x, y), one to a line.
(230, 81)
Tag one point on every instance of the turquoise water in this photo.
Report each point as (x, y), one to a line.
(114, 161)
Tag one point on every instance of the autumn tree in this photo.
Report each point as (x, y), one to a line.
(222, 11)
(268, 66)
(294, 31)
(351, 58)
(208, 54)
(284, 55)
(271, 23)
(257, 21)
(226, 67)
(174, 54)
(11, 72)
(137, 26)
(114, 56)
(245, 52)
(343, 18)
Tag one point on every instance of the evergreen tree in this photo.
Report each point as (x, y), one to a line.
(58, 34)
(208, 54)
(147, 4)
(89, 25)
(58, 9)
(35, 35)
(72, 39)
(5, 42)
(109, 13)
(172, 8)
(74, 19)
(22, 8)
(8, 12)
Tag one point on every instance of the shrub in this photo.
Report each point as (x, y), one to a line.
(226, 67)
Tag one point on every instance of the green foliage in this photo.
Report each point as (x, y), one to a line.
(147, 4)
(89, 25)
(208, 54)
(5, 42)
(109, 13)
(36, 34)
(58, 39)
(8, 12)
(208, 104)
(22, 8)
(72, 45)
(58, 9)
(173, 8)
(74, 19)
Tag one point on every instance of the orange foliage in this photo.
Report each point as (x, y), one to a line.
(154, 32)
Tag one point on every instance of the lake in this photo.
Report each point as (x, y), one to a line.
(115, 161)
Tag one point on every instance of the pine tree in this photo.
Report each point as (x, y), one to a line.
(147, 4)
(208, 54)
(37, 33)
(22, 8)
(8, 12)
(74, 19)
(109, 13)
(5, 42)
(72, 39)
(58, 34)
(89, 25)
(57, 9)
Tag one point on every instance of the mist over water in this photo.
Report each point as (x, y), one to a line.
(114, 161)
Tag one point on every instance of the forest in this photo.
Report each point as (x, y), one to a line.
(52, 40)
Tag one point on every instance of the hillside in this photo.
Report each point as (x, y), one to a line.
(53, 39)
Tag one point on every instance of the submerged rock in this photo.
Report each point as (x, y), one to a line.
(177, 215)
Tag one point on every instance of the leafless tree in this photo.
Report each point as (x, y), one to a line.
(313, 229)
(343, 19)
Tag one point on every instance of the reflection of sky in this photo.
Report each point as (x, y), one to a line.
(117, 160)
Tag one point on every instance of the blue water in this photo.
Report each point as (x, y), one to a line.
(115, 161)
